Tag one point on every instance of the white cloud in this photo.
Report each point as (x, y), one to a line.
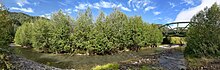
(129, 3)
(156, 13)
(186, 15)
(21, 3)
(188, 2)
(168, 20)
(29, 10)
(123, 8)
(81, 6)
(172, 4)
(96, 5)
(75, 10)
(69, 10)
(149, 8)
(145, 4)
(102, 4)
(107, 4)
(48, 15)
(138, 4)
(135, 9)
(36, 3)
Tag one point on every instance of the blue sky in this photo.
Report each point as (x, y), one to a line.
(152, 11)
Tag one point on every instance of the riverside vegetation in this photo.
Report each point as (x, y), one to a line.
(108, 34)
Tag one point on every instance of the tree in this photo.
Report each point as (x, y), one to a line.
(155, 35)
(6, 27)
(134, 30)
(42, 34)
(61, 33)
(99, 39)
(6, 37)
(116, 30)
(23, 34)
(82, 30)
(203, 36)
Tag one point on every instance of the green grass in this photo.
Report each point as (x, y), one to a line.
(109, 66)
(194, 63)
(81, 62)
(177, 40)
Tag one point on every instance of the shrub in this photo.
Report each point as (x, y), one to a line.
(109, 66)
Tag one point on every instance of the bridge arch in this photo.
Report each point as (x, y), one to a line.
(175, 29)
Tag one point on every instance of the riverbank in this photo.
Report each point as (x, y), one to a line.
(159, 58)
(83, 62)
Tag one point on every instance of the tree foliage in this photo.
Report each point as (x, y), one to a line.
(82, 31)
(23, 34)
(6, 37)
(108, 34)
(6, 27)
(203, 36)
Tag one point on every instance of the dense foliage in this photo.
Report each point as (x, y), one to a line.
(23, 35)
(203, 36)
(108, 34)
(6, 28)
(6, 36)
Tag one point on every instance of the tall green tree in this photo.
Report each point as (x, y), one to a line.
(116, 29)
(61, 33)
(42, 34)
(203, 36)
(23, 34)
(82, 30)
(134, 29)
(98, 36)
